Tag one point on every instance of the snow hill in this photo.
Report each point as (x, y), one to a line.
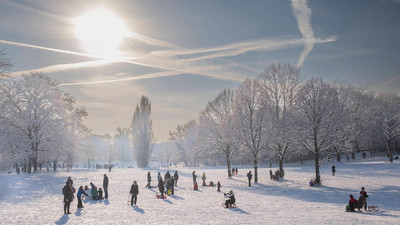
(37, 199)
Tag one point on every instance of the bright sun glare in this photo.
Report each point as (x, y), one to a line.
(101, 32)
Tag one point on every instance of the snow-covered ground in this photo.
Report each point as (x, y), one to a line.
(37, 199)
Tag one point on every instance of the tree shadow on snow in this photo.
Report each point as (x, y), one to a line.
(137, 209)
(63, 220)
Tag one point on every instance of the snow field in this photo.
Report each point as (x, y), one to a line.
(37, 199)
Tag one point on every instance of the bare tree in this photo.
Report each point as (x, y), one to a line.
(316, 122)
(185, 138)
(280, 84)
(253, 118)
(390, 119)
(218, 126)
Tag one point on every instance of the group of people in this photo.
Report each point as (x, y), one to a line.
(360, 203)
(234, 171)
(68, 191)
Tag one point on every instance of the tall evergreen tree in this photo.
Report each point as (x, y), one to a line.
(142, 133)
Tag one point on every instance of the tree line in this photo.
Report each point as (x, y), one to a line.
(280, 115)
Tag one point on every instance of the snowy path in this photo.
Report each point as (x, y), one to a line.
(37, 199)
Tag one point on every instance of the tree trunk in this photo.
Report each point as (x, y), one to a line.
(255, 169)
(281, 172)
(353, 155)
(338, 157)
(55, 165)
(228, 164)
(30, 166)
(270, 163)
(317, 175)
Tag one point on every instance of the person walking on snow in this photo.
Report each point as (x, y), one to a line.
(194, 177)
(167, 176)
(362, 201)
(105, 186)
(68, 197)
(161, 187)
(203, 177)
(148, 180)
(333, 170)
(134, 192)
(176, 177)
(219, 186)
(249, 176)
(79, 195)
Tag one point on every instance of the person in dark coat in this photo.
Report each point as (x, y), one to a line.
(167, 176)
(352, 203)
(134, 192)
(100, 194)
(249, 176)
(176, 177)
(105, 186)
(333, 170)
(219, 186)
(172, 185)
(148, 180)
(68, 197)
(194, 177)
(362, 201)
(79, 195)
(161, 187)
(231, 199)
(70, 180)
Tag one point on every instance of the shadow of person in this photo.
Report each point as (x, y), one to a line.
(137, 209)
(63, 220)
(78, 212)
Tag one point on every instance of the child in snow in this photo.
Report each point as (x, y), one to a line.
(362, 201)
(134, 192)
(219, 186)
(203, 177)
(230, 200)
(95, 193)
(352, 203)
(100, 194)
(79, 195)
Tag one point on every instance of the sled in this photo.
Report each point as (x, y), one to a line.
(160, 197)
(232, 205)
(373, 208)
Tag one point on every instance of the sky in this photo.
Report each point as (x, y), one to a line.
(182, 53)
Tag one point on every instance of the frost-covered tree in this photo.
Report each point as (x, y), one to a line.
(185, 138)
(390, 120)
(317, 108)
(142, 133)
(218, 128)
(280, 84)
(253, 117)
(39, 119)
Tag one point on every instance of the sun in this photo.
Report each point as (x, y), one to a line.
(101, 32)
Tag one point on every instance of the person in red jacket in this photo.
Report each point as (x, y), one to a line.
(352, 203)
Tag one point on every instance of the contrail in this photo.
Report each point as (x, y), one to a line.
(140, 77)
(70, 66)
(48, 49)
(303, 15)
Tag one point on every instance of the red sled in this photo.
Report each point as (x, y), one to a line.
(159, 196)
